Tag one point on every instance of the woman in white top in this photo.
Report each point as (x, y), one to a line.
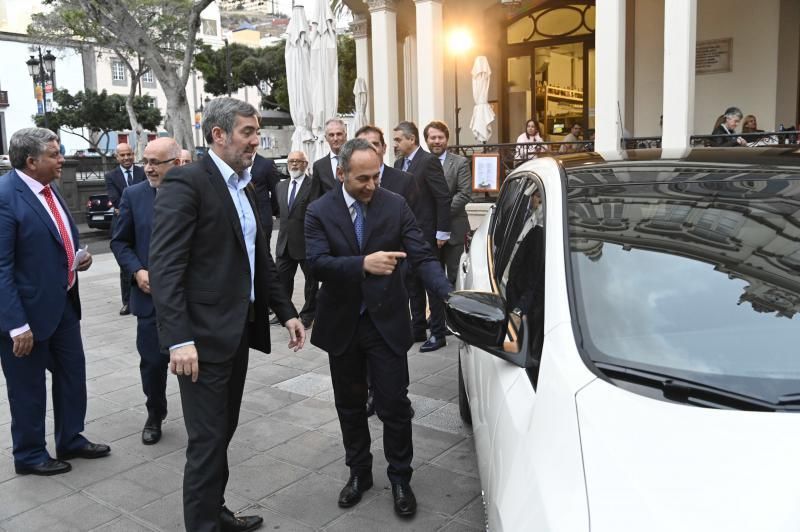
(529, 143)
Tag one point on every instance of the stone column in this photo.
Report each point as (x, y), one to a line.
(360, 29)
(679, 50)
(383, 18)
(430, 63)
(609, 75)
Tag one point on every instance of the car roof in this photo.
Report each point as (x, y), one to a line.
(699, 164)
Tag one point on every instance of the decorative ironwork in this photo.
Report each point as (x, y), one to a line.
(577, 18)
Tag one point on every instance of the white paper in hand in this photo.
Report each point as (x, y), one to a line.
(79, 256)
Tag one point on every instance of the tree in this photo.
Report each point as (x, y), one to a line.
(92, 115)
(346, 52)
(162, 32)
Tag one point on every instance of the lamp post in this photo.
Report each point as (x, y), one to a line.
(41, 70)
(460, 43)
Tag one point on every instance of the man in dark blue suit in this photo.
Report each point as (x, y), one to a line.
(391, 179)
(358, 237)
(40, 311)
(117, 180)
(265, 176)
(131, 247)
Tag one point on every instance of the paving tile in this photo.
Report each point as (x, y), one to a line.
(308, 384)
(460, 459)
(22, 493)
(97, 407)
(430, 443)
(458, 526)
(127, 397)
(446, 419)
(443, 491)
(136, 487)
(265, 433)
(74, 512)
(312, 450)
(423, 365)
(270, 373)
(266, 400)
(164, 514)
(261, 475)
(444, 393)
(115, 426)
(378, 515)
(310, 413)
(424, 405)
(123, 524)
(474, 513)
(303, 364)
(87, 472)
(173, 437)
(109, 383)
(324, 491)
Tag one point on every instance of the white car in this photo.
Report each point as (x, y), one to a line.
(630, 356)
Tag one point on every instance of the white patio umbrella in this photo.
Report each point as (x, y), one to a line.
(360, 119)
(482, 114)
(298, 82)
(324, 72)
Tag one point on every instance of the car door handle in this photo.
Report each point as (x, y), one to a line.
(464, 267)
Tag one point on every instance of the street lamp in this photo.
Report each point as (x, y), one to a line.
(460, 42)
(41, 70)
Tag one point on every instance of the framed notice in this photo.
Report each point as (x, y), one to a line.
(713, 56)
(486, 172)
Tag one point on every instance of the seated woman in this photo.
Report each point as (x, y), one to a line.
(731, 118)
(529, 143)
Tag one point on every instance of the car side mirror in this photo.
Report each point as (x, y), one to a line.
(480, 319)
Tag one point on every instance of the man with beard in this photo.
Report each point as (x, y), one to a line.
(213, 280)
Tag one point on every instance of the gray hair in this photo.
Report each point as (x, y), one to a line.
(336, 121)
(350, 147)
(408, 129)
(222, 113)
(732, 112)
(28, 142)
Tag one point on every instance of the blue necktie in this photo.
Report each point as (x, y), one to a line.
(358, 222)
(292, 193)
(406, 164)
(128, 179)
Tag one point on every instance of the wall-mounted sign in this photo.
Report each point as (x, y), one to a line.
(486, 172)
(713, 56)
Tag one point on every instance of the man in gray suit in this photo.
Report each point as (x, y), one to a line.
(459, 182)
(294, 195)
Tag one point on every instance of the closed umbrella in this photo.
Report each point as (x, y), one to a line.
(482, 114)
(360, 119)
(298, 82)
(324, 72)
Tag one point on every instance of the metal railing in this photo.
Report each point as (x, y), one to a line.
(92, 168)
(761, 138)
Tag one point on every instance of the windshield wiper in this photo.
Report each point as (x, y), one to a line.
(683, 390)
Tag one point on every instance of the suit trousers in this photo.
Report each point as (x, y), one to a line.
(61, 354)
(389, 373)
(211, 414)
(417, 304)
(451, 257)
(153, 366)
(287, 268)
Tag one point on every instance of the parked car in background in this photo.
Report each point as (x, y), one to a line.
(629, 343)
(99, 211)
(282, 166)
(5, 163)
(81, 154)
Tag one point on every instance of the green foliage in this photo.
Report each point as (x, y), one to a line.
(346, 52)
(100, 113)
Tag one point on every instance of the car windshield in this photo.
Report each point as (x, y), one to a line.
(694, 280)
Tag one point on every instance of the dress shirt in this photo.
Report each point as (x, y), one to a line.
(125, 174)
(350, 201)
(37, 188)
(334, 164)
(442, 157)
(299, 181)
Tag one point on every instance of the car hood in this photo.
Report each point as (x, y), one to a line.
(659, 466)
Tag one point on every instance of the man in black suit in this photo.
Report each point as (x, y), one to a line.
(391, 179)
(431, 206)
(294, 195)
(212, 280)
(324, 169)
(265, 176)
(117, 180)
(358, 237)
(131, 247)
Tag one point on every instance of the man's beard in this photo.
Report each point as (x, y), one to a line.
(294, 174)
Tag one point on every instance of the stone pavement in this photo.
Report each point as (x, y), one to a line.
(287, 459)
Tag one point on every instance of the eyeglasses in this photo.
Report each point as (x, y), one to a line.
(153, 162)
(296, 161)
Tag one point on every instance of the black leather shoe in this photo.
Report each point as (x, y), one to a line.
(351, 492)
(432, 344)
(229, 522)
(124, 311)
(45, 469)
(370, 403)
(151, 432)
(88, 451)
(405, 504)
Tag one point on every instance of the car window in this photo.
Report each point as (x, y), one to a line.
(507, 223)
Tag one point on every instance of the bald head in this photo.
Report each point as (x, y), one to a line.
(160, 155)
(124, 155)
(297, 163)
(186, 157)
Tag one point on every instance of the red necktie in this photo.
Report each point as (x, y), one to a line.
(62, 230)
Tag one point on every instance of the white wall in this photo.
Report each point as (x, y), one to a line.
(15, 79)
(648, 67)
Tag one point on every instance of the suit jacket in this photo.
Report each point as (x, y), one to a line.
(200, 271)
(431, 200)
(291, 240)
(130, 240)
(324, 178)
(265, 177)
(399, 182)
(333, 253)
(33, 265)
(115, 182)
(459, 182)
